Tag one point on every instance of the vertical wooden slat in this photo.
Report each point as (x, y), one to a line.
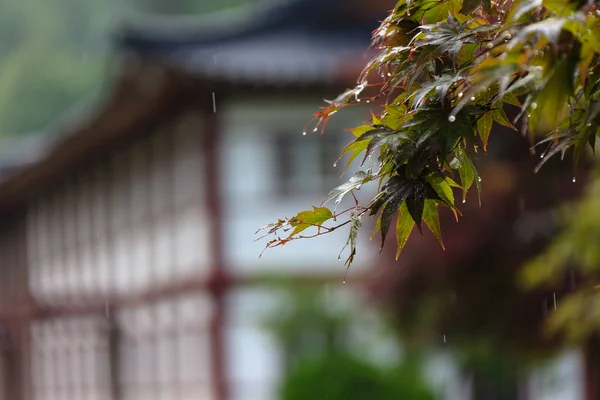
(219, 277)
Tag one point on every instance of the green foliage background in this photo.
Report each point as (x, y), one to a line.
(54, 54)
(322, 362)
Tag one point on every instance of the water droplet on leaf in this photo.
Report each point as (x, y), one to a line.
(533, 105)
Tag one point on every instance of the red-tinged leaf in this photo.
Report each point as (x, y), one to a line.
(306, 219)
(432, 220)
(484, 127)
(404, 227)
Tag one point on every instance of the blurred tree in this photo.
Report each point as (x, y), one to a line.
(53, 53)
(51, 57)
(323, 362)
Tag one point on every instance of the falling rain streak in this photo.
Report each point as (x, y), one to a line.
(214, 103)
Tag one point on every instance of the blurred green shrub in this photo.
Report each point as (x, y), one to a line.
(314, 328)
(342, 376)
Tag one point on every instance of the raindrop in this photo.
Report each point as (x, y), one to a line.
(304, 133)
(461, 94)
(339, 258)
(472, 98)
(574, 179)
(214, 103)
(344, 282)
(358, 100)
(334, 164)
(368, 101)
(389, 74)
(588, 124)
(316, 129)
(508, 36)
(489, 45)
(554, 295)
(533, 105)
(408, 13)
(479, 179)
(451, 118)
(444, 338)
(541, 156)
(464, 201)
(528, 115)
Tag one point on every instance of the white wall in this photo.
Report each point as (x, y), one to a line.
(561, 379)
(249, 167)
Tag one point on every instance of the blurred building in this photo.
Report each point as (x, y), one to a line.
(127, 262)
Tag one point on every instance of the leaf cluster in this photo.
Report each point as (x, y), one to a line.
(446, 70)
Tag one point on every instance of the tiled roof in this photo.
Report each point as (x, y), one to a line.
(301, 41)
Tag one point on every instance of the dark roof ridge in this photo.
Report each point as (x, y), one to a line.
(152, 32)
